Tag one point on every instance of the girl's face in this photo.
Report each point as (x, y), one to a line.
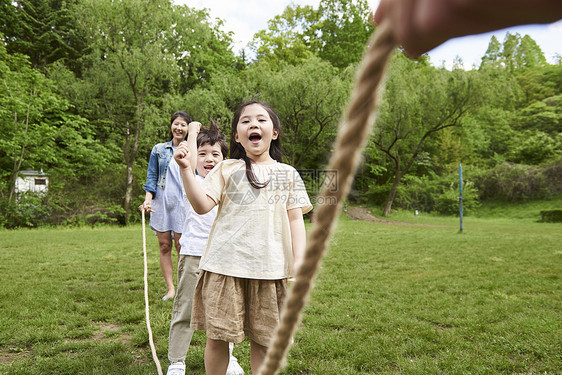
(255, 132)
(179, 130)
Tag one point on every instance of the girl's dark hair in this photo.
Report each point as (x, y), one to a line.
(212, 135)
(238, 152)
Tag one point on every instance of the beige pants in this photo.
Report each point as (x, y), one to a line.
(180, 327)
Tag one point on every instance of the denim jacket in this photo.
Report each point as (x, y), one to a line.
(158, 162)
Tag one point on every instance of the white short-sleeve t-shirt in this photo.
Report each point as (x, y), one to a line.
(251, 236)
(196, 228)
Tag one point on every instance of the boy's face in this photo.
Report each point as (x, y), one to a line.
(207, 157)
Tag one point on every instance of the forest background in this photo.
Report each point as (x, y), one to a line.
(88, 87)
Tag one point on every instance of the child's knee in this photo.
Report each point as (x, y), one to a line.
(217, 344)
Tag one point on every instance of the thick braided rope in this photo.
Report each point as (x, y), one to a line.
(351, 139)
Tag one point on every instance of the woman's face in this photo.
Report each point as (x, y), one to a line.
(179, 130)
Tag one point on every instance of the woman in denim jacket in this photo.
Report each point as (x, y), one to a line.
(164, 198)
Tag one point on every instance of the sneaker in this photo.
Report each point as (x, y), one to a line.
(176, 368)
(233, 367)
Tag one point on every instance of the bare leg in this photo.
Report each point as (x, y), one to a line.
(165, 243)
(257, 356)
(177, 237)
(216, 357)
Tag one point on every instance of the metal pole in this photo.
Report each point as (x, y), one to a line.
(460, 195)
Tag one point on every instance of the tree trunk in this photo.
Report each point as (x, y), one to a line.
(130, 161)
(128, 190)
(12, 190)
(392, 194)
(18, 160)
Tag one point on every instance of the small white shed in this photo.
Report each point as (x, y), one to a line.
(30, 180)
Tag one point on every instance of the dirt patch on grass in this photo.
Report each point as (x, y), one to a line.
(363, 214)
(12, 354)
(105, 332)
(108, 332)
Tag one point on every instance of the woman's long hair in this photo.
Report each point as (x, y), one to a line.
(238, 152)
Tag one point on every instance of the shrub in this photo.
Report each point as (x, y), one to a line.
(551, 216)
(513, 182)
(29, 210)
(418, 193)
(534, 148)
(447, 202)
(553, 174)
(429, 193)
(106, 215)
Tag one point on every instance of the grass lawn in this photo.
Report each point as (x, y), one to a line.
(390, 299)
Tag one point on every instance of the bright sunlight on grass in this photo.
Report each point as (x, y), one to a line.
(390, 299)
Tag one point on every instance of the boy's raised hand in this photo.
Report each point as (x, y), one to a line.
(194, 127)
(181, 156)
(193, 130)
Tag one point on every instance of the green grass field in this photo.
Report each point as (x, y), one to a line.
(390, 299)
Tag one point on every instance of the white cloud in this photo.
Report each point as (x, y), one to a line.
(556, 27)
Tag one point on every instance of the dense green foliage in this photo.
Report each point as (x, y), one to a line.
(87, 88)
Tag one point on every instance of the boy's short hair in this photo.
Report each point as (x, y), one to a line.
(212, 135)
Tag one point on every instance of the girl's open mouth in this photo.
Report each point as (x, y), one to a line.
(255, 138)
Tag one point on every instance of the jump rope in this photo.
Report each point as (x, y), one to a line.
(147, 306)
(350, 141)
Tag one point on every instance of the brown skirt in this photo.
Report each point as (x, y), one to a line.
(229, 308)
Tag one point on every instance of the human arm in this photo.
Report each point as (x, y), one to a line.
(421, 25)
(151, 180)
(298, 236)
(147, 204)
(193, 132)
(200, 202)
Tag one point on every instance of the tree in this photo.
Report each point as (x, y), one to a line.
(514, 54)
(38, 127)
(140, 52)
(46, 31)
(544, 115)
(487, 130)
(342, 32)
(534, 147)
(336, 32)
(541, 82)
(493, 53)
(200, 48)
(418, 102)
(284, 40)
(124, 70)
(308, 99)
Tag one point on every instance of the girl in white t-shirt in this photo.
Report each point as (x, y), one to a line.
(257, 240)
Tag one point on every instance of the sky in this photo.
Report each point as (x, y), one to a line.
(246, 17)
